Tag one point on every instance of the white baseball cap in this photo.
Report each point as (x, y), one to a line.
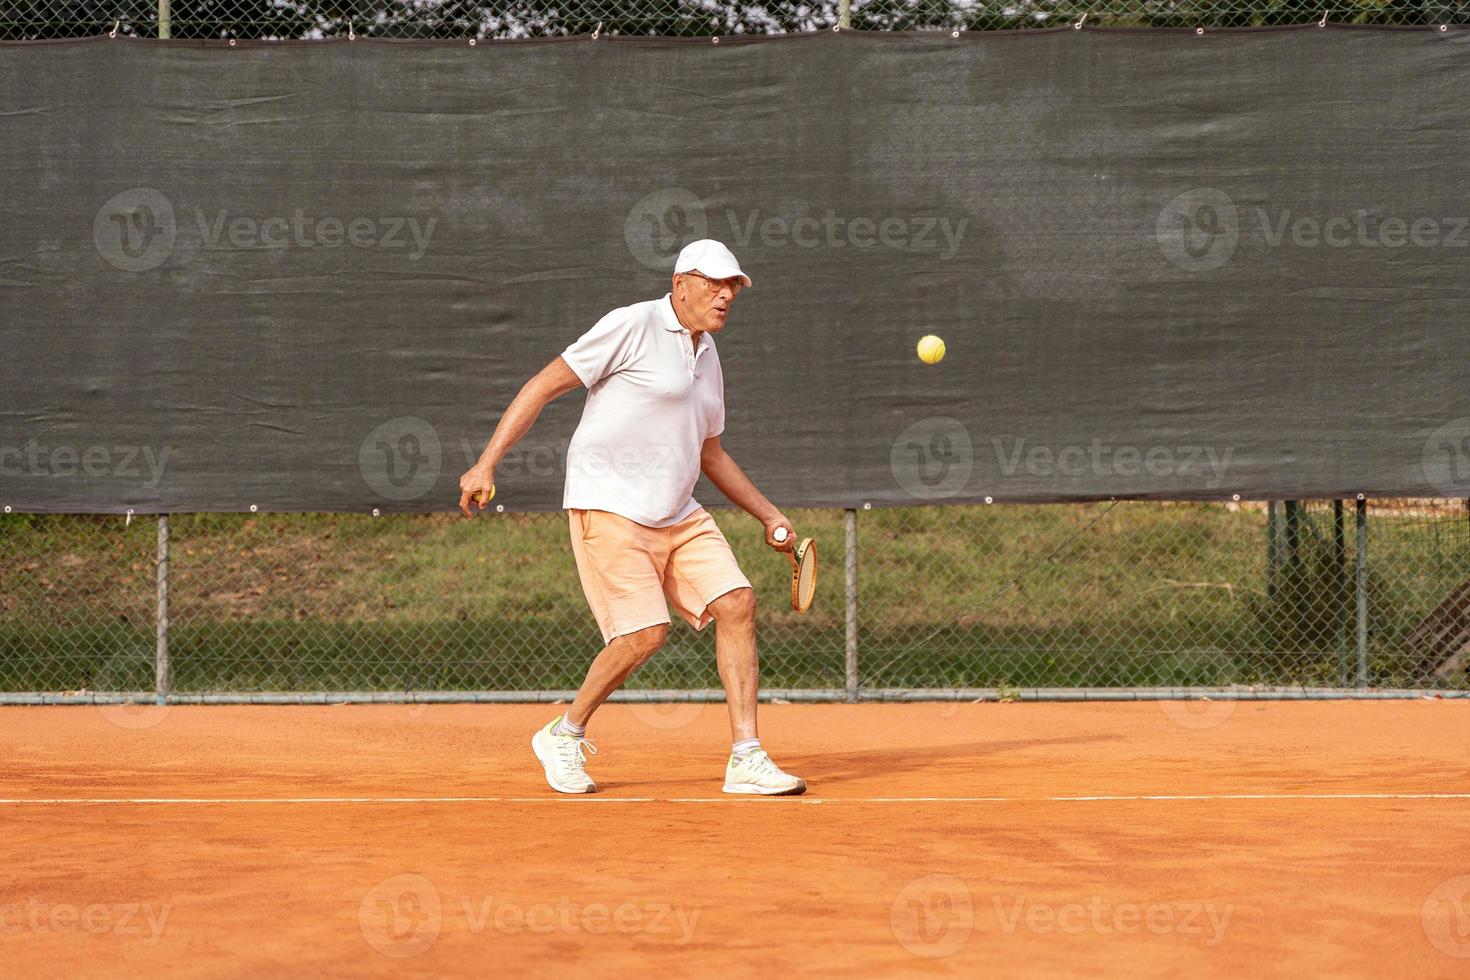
(708, 257)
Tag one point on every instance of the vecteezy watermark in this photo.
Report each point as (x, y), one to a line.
(135, 230)
(1103, 460)
(932, 916)
(1198, 714)
(1199, 230)
(566, 915)
(663, 222)
(1446, 917)
(1206, 921)
(138, 230)
(1447, 458)
(400, 459)
(667, 715)
(141, 919)
(403, 916)
(933, 458)
(143, 463)
(222, 230)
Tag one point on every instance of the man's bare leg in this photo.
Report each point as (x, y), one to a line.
(740, 672)
(611, 668)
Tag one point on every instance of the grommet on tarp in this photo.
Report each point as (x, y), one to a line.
(500, 508)
(253, 508)
(597, 33)
(990, 500)
(115, 26)
(472, 42)
(714, 40)
(1198, 31)
(1078, 26)
(1235, 497)
(377, 513)
(867, 506)
(1323, 21)
(836, 28)
(232, 42)
(1361, 497)
(7, 508)
(1443, 28)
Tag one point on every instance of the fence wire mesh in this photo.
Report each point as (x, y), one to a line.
(284, 19)
(1005, 597)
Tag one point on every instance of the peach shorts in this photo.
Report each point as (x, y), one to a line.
(629, 570)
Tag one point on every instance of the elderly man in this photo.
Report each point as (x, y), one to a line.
(652, 422)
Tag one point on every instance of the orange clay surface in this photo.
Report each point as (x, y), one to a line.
(935, 839)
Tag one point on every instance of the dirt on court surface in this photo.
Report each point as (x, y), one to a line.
(1143, 839)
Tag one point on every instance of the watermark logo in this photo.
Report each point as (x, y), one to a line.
(1205, 921)
(933, 916)
(401, 458)
(667, 715)
(662, 223)
(933, 458)
(129, 673)
(1363, 228)
(1446, 917)
(1104, 460)
(135, 230)
(140, 919)
(1197, 714)
(665, 221)
(401, 916)
(222, 230)
(1198, 230)
(1447, 458)
(145, 464)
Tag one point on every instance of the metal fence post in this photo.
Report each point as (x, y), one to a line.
(1339, 581)
(849, 535)
(160, 655)
(165, 19)
(1362, 576)
(844, 14)
(1272, 555)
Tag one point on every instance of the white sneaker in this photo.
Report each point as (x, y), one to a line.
(757, 774)
(561, 756)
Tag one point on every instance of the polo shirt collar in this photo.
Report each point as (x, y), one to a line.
(670, 319)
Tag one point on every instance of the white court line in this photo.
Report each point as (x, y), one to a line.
(352, 800)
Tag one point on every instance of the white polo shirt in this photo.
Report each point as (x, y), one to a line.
(651, 404)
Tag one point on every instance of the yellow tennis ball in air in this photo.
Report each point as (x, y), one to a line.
(931, 349)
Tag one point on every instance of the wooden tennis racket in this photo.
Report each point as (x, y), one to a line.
(803, 571)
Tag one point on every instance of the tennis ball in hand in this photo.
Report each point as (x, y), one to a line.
(931, 349)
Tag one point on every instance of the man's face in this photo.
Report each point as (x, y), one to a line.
(707, 301)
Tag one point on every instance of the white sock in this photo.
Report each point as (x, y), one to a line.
(565, 727)
(745, 747)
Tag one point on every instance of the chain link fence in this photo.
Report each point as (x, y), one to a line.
(285, 19)
(1007, 600)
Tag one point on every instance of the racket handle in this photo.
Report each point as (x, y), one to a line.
(779, 534)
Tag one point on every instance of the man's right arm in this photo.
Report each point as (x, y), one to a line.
(553, 381)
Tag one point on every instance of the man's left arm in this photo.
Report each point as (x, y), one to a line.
(731, 480)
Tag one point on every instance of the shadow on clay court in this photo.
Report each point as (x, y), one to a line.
(835, 768)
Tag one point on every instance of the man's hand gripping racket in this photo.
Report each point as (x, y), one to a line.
(803, 570)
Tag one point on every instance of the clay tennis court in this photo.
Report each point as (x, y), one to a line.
(1156, 839)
